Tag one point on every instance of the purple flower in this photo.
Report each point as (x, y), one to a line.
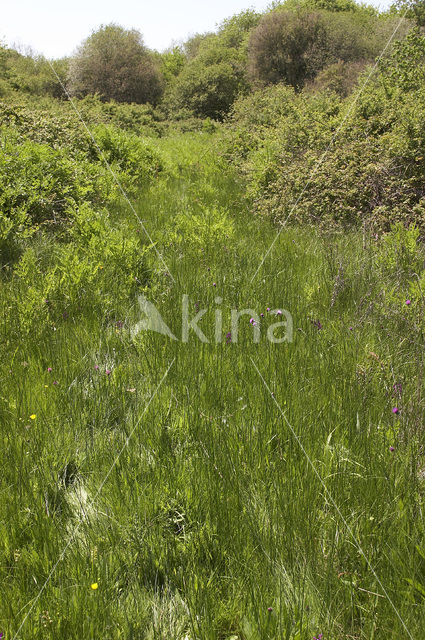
(392, 449)
(396, 410)
(108, 371)
(398, 389)
(214, 284)
(268, 309)
(407, 302)
(278, 312)
(317, 324)
(228, 338)
(319, 637)
(252, 321)
(96, 366)
(269, 609)
(49, 369)
(262, 315)
(351, 328)
(55, 382)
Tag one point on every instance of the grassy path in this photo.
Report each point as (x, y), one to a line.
(215, 521)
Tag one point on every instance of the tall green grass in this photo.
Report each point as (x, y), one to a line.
(214, 523)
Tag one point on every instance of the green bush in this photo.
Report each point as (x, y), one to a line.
(114, 63)
(372, 174)
(38, 184)
(136, 159)
(215, 73)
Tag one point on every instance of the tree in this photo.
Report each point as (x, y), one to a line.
(115, 64)
(215, 73)
(292, 46)
(414, 9)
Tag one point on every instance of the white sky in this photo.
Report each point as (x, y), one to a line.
(55, 28)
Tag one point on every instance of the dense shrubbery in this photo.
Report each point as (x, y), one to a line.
(31, 74)
(293, 46)
(215, 73)
(370, 173)
(50, 165)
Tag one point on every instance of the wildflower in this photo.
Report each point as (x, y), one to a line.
(407, 302)
(214, 284)
(94, 586)
(350, 328)
(278, 312)
(119, 324)
(268, 309)
(108, 371)
(269, 609)
(49, 369)
(392, 449)
(317, 324)
(396, 410)
(96, 366)
(319, 637)
(228, 338)
(55, 382)
(398, 388)
(252, 321)
(262, 315)
(33, 416)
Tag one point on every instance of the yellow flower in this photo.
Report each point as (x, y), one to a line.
(33, 416)
(94, 586)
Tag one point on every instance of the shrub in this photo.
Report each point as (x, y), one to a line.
(130, 154)
(405, 66)
(215, 73)
(371, 175)
(114, 63)
(340, 77)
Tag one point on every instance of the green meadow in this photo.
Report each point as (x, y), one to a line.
(158, 487)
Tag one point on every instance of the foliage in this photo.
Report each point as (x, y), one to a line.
(225, 489)
(292, 46)
(114, 63)
(404, 67)
(414, 9)
(340, 78)
(172, 62)
(203, 470)
(325, 161)
(213, 77)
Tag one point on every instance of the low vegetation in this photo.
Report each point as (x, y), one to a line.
(229, 488)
